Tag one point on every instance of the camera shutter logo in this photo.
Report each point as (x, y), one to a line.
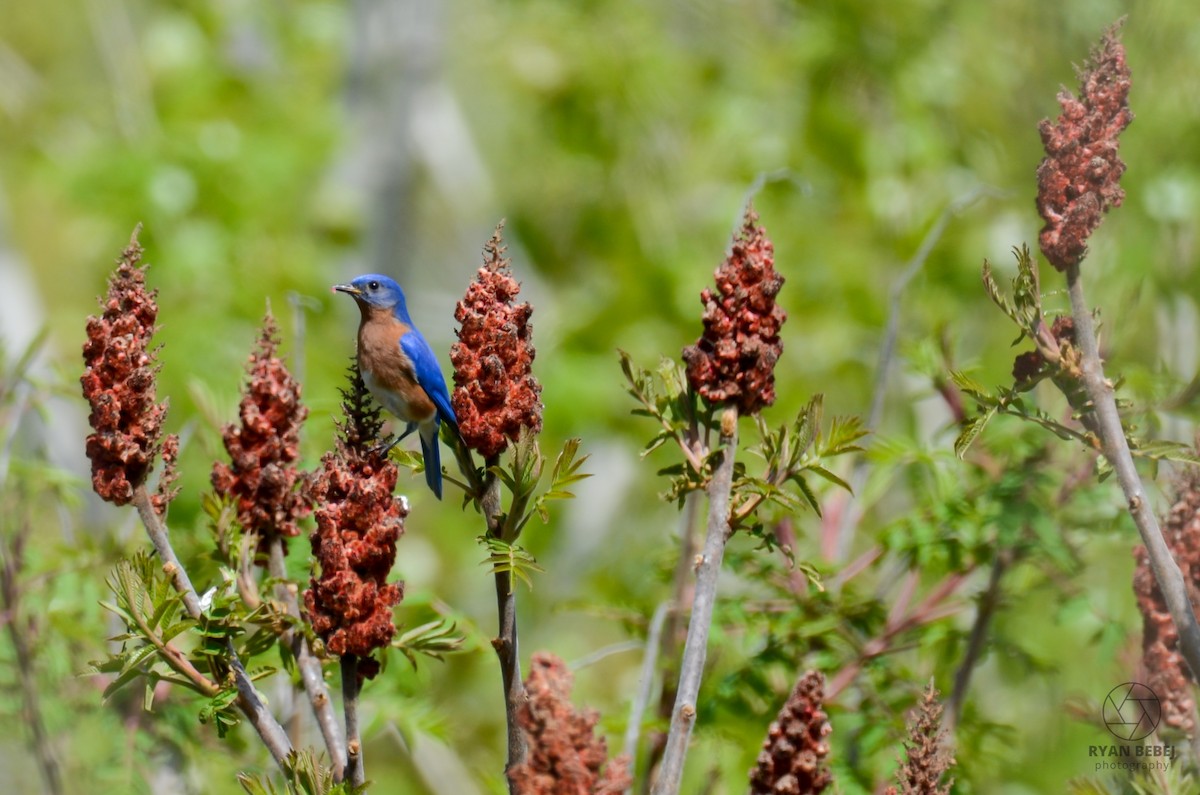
(1131, 711)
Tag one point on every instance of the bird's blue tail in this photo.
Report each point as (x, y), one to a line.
(433, 457)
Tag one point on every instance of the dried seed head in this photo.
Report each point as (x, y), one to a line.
(359, 520)
(734, 359)
(793, 755)
(1079, 179)
(565, 756)
(926, 758)
(1166, 672)
(262, 477)
(1056, 346)
(495, 393)
(119, 381)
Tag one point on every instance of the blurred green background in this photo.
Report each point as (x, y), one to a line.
(272, 149)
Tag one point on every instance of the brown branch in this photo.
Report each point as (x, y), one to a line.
(505, 643)
(1115, 447)
(708, 569)
(989, 601)
(177, 659)
(252, 706)
(837, 546)
(355, 771)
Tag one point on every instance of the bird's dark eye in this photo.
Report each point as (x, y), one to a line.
(372, 286)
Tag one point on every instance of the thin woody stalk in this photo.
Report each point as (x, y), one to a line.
(673, 632)
(1078, 182)
(355, 771)
(496, 401)
(263, 484)
(506, 641)
(1116, 449)
(508, 651)
(708, 569)
(989, 601)
(311, 673)
(645, 689)
(119, 382)
(731, 366)
(268, 728)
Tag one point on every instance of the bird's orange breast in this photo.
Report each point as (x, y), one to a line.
(387, 371)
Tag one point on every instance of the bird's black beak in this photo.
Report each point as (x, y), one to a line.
(347, 288)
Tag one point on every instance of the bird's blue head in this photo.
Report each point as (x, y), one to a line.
(376, 291)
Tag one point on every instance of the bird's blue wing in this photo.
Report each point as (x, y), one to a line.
(429, 374)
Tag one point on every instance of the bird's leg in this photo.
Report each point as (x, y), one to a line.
(385, 447)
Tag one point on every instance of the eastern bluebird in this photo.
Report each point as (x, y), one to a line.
(399, 368)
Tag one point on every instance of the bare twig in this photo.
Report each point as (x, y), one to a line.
(300, 304)
(355, 771)
(1116, 449)
(272, 734)
(646, 686)
(708, 569)
(11, 565)
(761, 180)
(604, 652)
(115, 35)
(989, 601)
(674, 632)
(838, 546)
(311, 673)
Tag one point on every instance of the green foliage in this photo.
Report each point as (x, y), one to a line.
(151, 610)
(967, 521)
(664, 396)
(791, 452)
(507, 557)
(433, 639)
(1175, 779)
(1024, 309)
(522, 477)
(565, 472)
(304, 774)
(1011, 401)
